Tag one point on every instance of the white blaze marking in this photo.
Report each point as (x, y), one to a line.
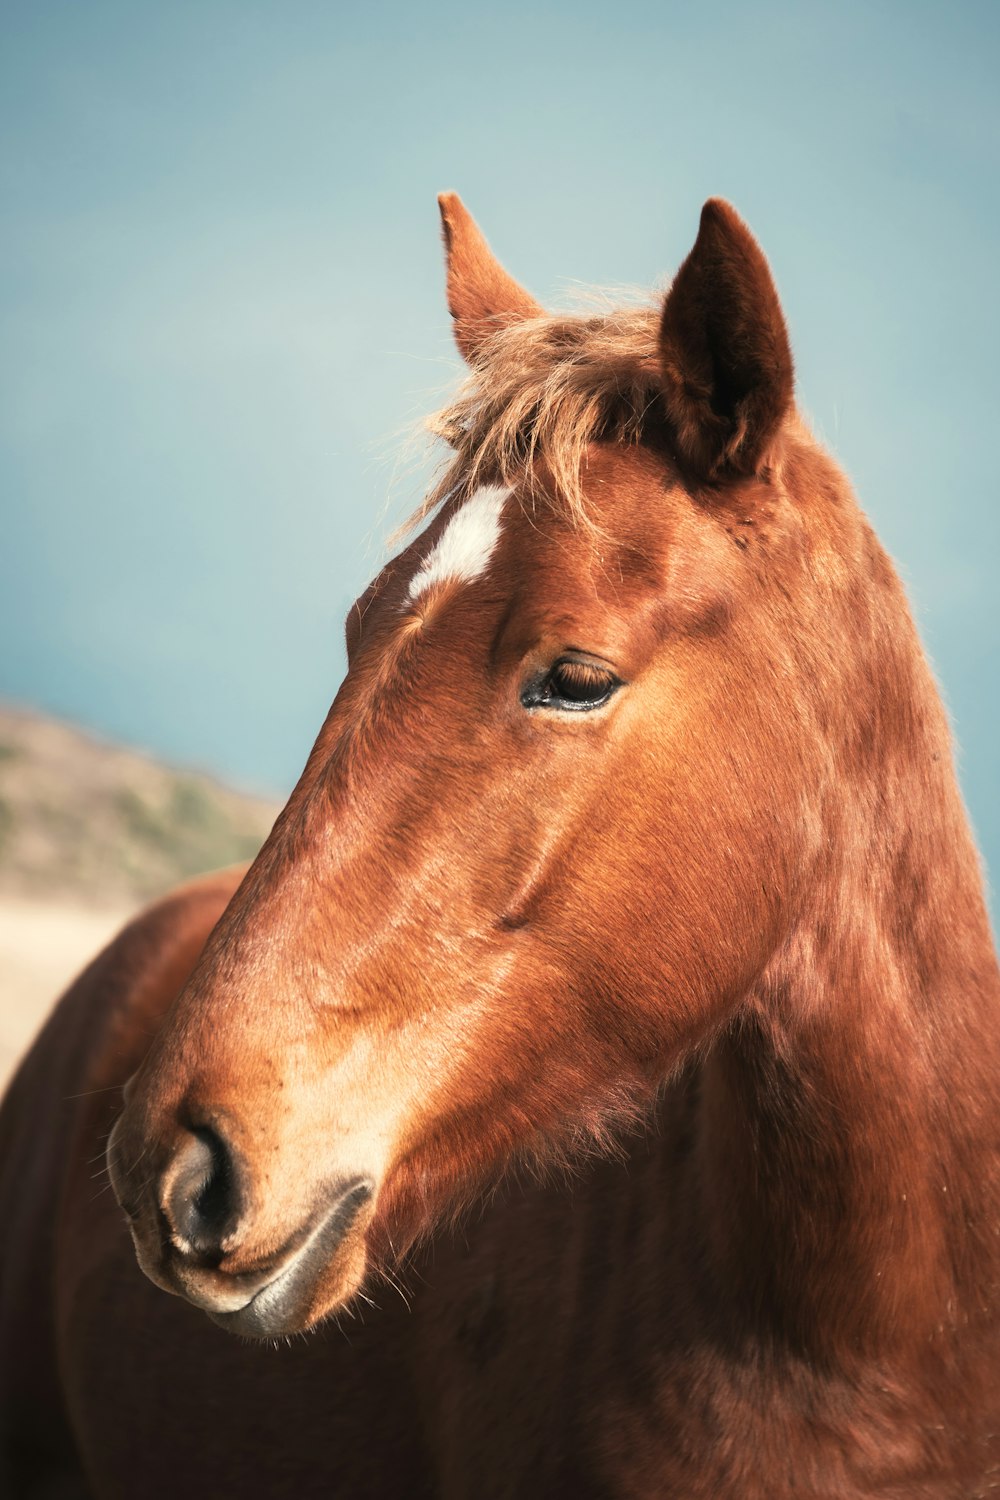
(464, 548)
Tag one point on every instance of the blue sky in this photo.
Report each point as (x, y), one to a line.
(221, 307)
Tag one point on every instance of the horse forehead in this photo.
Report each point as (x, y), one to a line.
(463, 549)
(533, 549)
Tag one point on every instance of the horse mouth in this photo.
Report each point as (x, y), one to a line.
(292, 1299)
(287, 1303)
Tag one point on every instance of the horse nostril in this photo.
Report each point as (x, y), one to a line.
(203, 1202)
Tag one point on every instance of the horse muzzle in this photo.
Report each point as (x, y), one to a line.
(194, 1228)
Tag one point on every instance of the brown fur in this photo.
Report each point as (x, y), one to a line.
(481, 296)
(551, 386)
(739, 902)
(727, 366)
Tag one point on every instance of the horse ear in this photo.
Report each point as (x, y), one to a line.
(727, 365)
(481, 296)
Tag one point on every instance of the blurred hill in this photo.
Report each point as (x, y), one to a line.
(89, 831)
(108, 825)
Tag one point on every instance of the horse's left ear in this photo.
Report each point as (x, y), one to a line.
(727, 365)
(481, 295)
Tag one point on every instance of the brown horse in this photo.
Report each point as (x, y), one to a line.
(629, 866)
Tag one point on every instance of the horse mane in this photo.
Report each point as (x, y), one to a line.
(548, 387)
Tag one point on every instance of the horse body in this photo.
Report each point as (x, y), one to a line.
(632, 835)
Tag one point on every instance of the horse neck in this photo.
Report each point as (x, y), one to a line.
(846, 1172)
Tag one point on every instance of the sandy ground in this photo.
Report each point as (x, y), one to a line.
(43, 946)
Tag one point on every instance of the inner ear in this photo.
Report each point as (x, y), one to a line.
(481, 295)
(727, 366)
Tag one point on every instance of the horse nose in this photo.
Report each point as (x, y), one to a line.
(201, 1196)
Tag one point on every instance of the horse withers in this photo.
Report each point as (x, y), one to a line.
(629, 874)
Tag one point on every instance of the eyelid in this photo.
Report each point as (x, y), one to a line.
(585, 671)
(538, 693)
(582, 654)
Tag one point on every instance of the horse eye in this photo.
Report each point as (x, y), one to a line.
(571, 684)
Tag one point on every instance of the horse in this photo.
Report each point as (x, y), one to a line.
(616, 985)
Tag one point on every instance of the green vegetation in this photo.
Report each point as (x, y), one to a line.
(103, 823)
(188, 829)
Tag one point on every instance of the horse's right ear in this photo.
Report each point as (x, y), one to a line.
(481, 295)
(727, 365)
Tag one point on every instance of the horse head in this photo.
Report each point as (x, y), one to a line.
(569, 803)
